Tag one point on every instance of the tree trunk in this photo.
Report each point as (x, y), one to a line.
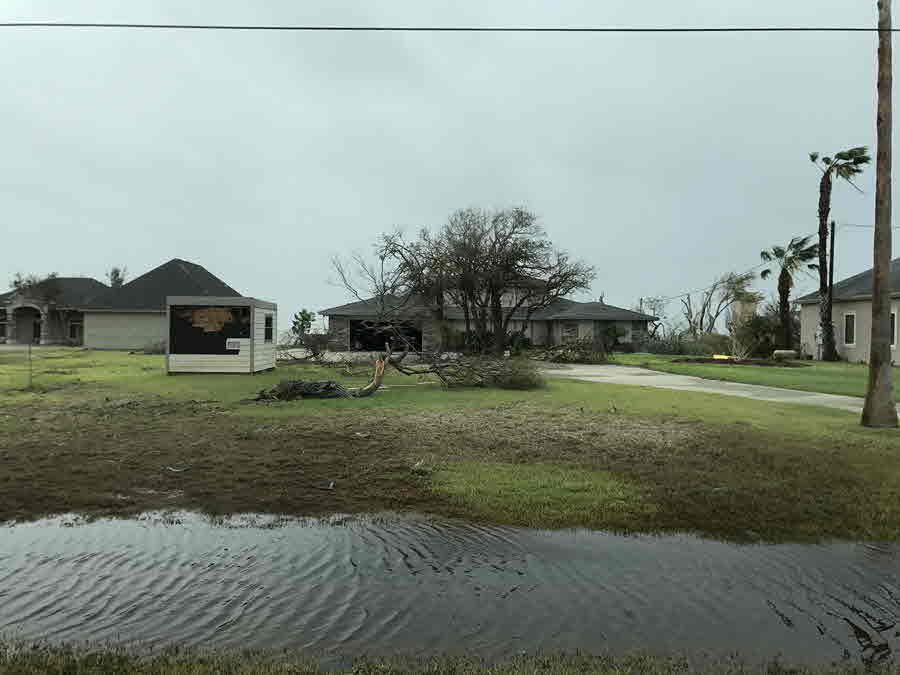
(829, 350)
(784, 308)
(438, 329)
(880, 409)
(499, 341)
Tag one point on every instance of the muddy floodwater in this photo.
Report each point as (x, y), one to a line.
(416, 587)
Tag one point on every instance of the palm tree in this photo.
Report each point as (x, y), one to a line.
(790, 260)
(846, 165)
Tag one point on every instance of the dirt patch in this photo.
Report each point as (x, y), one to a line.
(120, 457)
(745, 362)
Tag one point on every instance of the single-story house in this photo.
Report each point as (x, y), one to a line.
(852, 316)
(84, 311)
(353, 327)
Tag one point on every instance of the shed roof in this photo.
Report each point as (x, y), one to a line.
(859, 286)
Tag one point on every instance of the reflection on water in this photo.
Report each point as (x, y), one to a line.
(417, 587)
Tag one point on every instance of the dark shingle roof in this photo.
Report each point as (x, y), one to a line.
(562, 310)
(367, 309)
(73, 291)
(859, 286)
(593, 311)
(149, 291)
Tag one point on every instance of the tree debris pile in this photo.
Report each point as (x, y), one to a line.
(290, 390)
(579, 351)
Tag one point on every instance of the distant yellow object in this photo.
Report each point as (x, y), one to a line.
(722, 356)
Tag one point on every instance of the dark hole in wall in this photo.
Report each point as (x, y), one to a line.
(370, 336)
(206, 330)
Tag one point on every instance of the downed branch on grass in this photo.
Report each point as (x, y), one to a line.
(481, 371)
(289, 390)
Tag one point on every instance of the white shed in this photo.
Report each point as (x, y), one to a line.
(220, 334)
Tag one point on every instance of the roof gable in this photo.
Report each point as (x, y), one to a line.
(859, 286)
(149, 291)
(69, 291)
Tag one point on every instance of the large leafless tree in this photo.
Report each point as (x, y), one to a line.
(494, 265)
(703, 310)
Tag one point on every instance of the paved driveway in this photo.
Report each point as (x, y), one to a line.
(613, 374)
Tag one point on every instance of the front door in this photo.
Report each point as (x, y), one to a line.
(36, 339)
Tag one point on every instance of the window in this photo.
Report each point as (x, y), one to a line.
(893, 329)
(2, 324)
(75, 330)
(850, 329)
(269, 328)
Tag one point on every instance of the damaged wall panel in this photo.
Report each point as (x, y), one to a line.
(220, 334)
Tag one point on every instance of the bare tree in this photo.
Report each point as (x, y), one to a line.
(424, 270)
(658, 307)
(44, 288)
(116, 276)
(880, 407)
(503, 266)
(702, 313)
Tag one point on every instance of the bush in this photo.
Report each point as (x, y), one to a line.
(714, 343)
(158, 347)
(516, 373)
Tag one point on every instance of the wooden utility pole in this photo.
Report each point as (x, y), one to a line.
(880, 409)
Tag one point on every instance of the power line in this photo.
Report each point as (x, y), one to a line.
(441, 29)
(868, 227)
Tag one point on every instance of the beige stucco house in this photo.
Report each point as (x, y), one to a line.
(852, 316)
(84, 311)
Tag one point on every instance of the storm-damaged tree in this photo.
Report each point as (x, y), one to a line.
(496, 266)
(789, 260)
(844, 165)
(703, 313)
(424, 273)
(503, 267)
(116, 276)
(43, 288)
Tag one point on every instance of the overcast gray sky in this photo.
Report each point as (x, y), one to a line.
(664, 160)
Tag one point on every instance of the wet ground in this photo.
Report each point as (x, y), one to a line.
(349, 587)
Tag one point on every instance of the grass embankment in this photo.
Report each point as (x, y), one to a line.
(67, 661)
(109, 434)
(847, 379)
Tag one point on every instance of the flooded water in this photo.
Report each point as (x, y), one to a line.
(417, 587)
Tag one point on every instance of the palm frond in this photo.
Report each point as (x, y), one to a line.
(799, 243)
(826, 160)
(765, 274)
(778, 252)
(814, 157)
(765, 256)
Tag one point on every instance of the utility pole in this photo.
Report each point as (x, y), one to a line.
(880, 409)
(831, 267)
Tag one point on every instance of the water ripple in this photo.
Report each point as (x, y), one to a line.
(414, 586)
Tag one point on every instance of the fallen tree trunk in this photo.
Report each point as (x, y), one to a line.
(290, 390)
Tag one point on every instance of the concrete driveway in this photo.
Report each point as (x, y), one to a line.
(612, 374)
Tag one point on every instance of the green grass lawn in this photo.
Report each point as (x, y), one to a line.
(848, 379)
(108, 433)
(46, 660)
